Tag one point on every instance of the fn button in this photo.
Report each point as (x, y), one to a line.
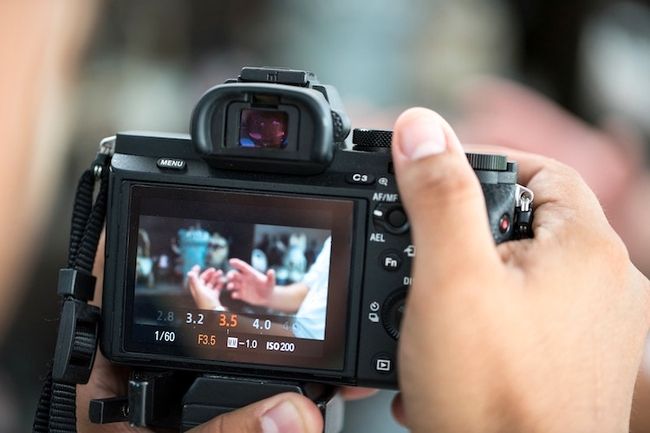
(390, 260)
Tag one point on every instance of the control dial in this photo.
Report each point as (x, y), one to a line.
(372, 140)
(481, 161)
(393, 311)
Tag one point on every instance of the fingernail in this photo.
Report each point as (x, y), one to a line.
(422, 137)
(282, 418)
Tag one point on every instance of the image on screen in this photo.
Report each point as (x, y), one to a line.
(237, 276)
(275, 278)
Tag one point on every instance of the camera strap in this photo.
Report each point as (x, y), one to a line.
(79, 321)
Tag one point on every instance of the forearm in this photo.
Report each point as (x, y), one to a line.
(640, 419)
(287, 298)
(630, 216)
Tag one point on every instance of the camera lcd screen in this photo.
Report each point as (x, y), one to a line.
(267, 129)
(238, 277)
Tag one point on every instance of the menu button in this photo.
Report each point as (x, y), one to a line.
(171, 164)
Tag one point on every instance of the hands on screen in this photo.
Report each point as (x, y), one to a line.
(245, 282)
(250, 285)
(206, 287)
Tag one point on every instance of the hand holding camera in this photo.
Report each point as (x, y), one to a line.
(538, 335)
(478, 312)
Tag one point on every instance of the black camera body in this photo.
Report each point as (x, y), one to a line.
(264, 179)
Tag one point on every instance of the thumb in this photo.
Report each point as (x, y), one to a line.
(442, 196)
(270, 275)
(283, 413)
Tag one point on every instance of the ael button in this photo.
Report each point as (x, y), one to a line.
(390, 217)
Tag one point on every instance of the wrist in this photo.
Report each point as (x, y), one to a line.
(559, 413)
(267, 297)
(629, 216)
(502, 411)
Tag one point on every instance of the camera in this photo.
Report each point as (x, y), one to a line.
(261, 249)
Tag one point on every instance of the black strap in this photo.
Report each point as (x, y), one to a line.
(63, 409)
(42, 418)
(56, 411)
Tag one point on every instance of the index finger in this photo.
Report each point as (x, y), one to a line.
(241, 266)
(357, 393)
(528, 164)
(551, 181)
(565, 208)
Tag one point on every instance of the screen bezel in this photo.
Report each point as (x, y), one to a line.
(336, 341)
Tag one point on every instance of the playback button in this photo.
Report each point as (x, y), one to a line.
(383, 363)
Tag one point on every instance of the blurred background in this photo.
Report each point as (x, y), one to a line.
(74, 71)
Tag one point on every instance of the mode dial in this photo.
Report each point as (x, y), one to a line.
(372, 140)
(482, 161)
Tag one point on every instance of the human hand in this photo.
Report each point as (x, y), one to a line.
(504, 113)
(206, 287)
(536, 335)
(282, 413)
(285, 413)
(250, 285)
(108, 380)
(610, 157)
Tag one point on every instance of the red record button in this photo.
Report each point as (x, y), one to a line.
(504, 223)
